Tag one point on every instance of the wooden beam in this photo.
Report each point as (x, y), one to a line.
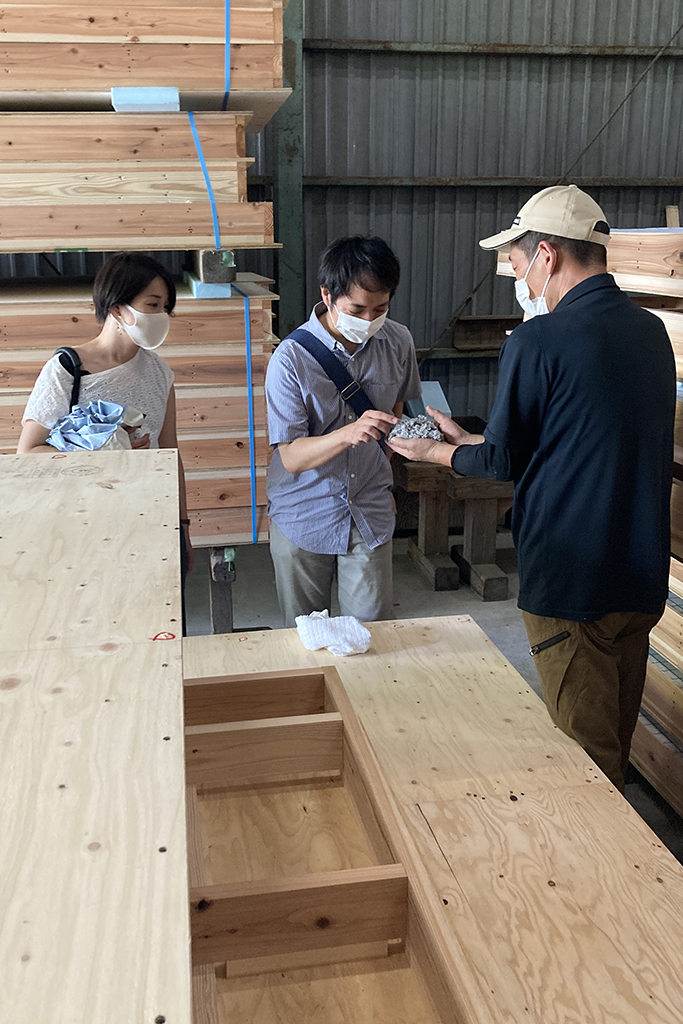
(112, 136)
(338, 908)
(285, 962)
(249, 698)
(270, 749)
(133, 226)
(663, 702)
(660, 761)
(92, 66)
(165, 23)
(204, 1004)
(215, 526)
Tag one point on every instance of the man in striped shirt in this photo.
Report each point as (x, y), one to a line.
(329, 483)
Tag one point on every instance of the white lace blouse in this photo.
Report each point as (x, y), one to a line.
(144, 383)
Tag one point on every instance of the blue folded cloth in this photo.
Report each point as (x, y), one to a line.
(87, 427)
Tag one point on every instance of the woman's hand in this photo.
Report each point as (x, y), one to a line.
(139, 442)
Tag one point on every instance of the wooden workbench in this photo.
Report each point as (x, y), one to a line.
(93, 862)
(546, 897)
(485, 501)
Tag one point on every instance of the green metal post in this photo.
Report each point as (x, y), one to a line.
(288, 195)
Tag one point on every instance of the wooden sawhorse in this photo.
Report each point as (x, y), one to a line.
(485, 501)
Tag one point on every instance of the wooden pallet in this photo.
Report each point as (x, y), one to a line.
(206, 351)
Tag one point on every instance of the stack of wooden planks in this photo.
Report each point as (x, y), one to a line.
(206, 351)
(61, 54)
(104, 181)
(658, 741)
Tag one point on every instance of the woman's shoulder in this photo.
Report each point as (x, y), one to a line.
(154, 365)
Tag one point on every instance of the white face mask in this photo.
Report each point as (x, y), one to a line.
(355, 329)
(149, 330)
(532, 307)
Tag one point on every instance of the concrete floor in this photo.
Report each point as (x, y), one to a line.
(256, 607)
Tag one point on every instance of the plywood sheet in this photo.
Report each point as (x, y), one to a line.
(84, 535)
(93, 859)
(363, 992)
(278, 831)
(485, 786)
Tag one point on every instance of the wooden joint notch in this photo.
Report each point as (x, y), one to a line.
(246, 698)
(233, 753)
(338, 908)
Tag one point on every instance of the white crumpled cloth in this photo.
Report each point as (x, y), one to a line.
(342, 634)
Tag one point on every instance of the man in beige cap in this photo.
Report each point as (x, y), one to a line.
(582, 422)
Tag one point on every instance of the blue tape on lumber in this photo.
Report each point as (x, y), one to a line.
(207, 179)
(250, 407)
(227, 56)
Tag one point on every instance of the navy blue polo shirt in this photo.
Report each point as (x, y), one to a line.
(582, 422)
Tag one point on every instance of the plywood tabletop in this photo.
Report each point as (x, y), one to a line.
(567, 907)
(93, 859)
(89, 550)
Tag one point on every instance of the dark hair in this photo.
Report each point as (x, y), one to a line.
(124, 276)
(586, 254)
(366, 262)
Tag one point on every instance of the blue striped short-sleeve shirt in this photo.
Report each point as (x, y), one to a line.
(315, 508)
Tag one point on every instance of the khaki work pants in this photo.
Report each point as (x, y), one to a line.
(304, 579)
(593, 681)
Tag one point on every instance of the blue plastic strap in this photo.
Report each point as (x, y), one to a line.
(250, 407)
(207, 179)
(227, 56)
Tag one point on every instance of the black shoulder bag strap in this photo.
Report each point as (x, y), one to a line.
(348, 388)
(71, 361)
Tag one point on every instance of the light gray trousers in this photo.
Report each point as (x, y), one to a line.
(304, 579)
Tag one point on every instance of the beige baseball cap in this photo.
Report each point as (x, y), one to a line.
(562, 210)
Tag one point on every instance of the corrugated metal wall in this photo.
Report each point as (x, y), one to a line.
(522, 89)
(578, 22)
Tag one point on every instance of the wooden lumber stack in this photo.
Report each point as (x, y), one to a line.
(206, 351)
(60, 54)
(657, 749)
(104, 181)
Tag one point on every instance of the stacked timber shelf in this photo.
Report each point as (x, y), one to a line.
(78, 176)
(206, 351)
(70, 55)
(658, 742)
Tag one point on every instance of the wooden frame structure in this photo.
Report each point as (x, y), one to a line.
(483, 847)
(404, 837)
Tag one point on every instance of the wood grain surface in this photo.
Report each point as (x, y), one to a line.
(70, 518)
(279, 830)
(133, 226)
(363, 992)
(487, 786)
(93, 859)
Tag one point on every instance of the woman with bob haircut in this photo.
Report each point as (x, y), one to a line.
(134, 296)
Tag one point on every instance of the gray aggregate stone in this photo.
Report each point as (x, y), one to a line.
(417, 427)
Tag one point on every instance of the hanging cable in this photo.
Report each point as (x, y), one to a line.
(456, 316)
